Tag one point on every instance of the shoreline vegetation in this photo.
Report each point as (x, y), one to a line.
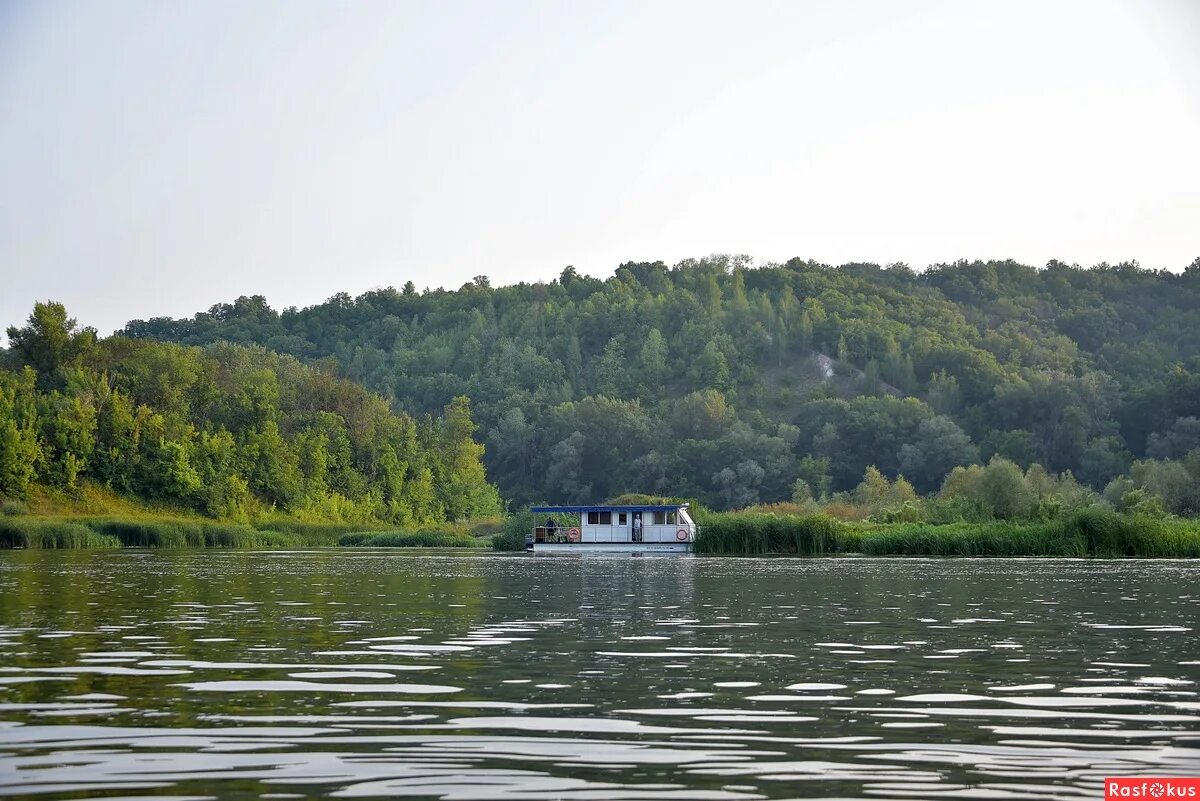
(52, 533)
(96, 518)
(1091, 533)
(1097, 533)
(92, 517)
(998, 510)
(791, 529)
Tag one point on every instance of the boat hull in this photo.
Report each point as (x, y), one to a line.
(650, 548)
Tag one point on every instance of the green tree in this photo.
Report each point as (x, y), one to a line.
(814, 472)
(68, 434)
(739, 486)
(940, 446)
(1171, 482)
(270, 466)
(875, 491)
(1003, 489)
(652, 360)
(464, 490)
(1102, 460)
(713, 367)
(49, 342)
(701, 415)
(118, 439)
(944, 396)
(612, 376)
(20, 449)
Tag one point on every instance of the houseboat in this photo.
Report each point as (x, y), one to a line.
(612, 529)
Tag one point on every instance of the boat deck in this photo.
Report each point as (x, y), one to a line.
(611, 547)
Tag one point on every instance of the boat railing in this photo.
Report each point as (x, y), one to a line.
(652, 533)
(550, 534)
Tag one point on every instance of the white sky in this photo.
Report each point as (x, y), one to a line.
(157, 157)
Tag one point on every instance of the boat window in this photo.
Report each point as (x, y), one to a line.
(622, 519)
(660, 518)
(670, 518)
(606, 518)
(593, 518)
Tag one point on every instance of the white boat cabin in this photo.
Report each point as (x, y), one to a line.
(647, 528)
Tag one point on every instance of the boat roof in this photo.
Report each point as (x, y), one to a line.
(671, 507)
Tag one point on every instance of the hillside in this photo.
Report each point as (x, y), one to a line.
(714, 380)
(229, 431)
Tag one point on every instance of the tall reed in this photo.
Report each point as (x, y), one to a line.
(32, 533)
(1089, 533)
(423, 538)
(759, 533)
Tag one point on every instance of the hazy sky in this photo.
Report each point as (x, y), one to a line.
(158, 157)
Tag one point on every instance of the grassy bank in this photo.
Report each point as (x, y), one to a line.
(95, 517)
(1094, 533)
(84, 532)
(107, 532)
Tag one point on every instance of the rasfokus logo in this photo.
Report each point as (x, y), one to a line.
(1152, 788)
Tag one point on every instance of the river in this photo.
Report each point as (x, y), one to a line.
(255, 674)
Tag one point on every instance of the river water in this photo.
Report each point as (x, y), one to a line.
(354, 674)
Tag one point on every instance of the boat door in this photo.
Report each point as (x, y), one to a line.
(637, 527)
(621, 528)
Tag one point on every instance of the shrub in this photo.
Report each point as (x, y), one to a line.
(907, 512)
(508, 541)
(11, 507)
(783, 508)
(516, 528)
(486, 527)
(841, 509)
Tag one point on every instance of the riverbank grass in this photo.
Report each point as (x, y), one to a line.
(106, 532)
(95, 517)
(424, 538)
(1090, 533)
(49, 533)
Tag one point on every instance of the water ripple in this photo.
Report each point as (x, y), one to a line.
(181, 675)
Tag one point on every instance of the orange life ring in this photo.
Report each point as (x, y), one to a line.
(681, 535)
(573, 535)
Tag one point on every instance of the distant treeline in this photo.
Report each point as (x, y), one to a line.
(726, 383)
(231, 431)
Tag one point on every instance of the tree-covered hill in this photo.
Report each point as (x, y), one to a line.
(232, 431)
(715, 380)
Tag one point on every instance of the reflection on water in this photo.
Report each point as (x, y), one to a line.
(292, 675)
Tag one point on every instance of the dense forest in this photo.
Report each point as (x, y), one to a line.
(231, 431)
(739, 385)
